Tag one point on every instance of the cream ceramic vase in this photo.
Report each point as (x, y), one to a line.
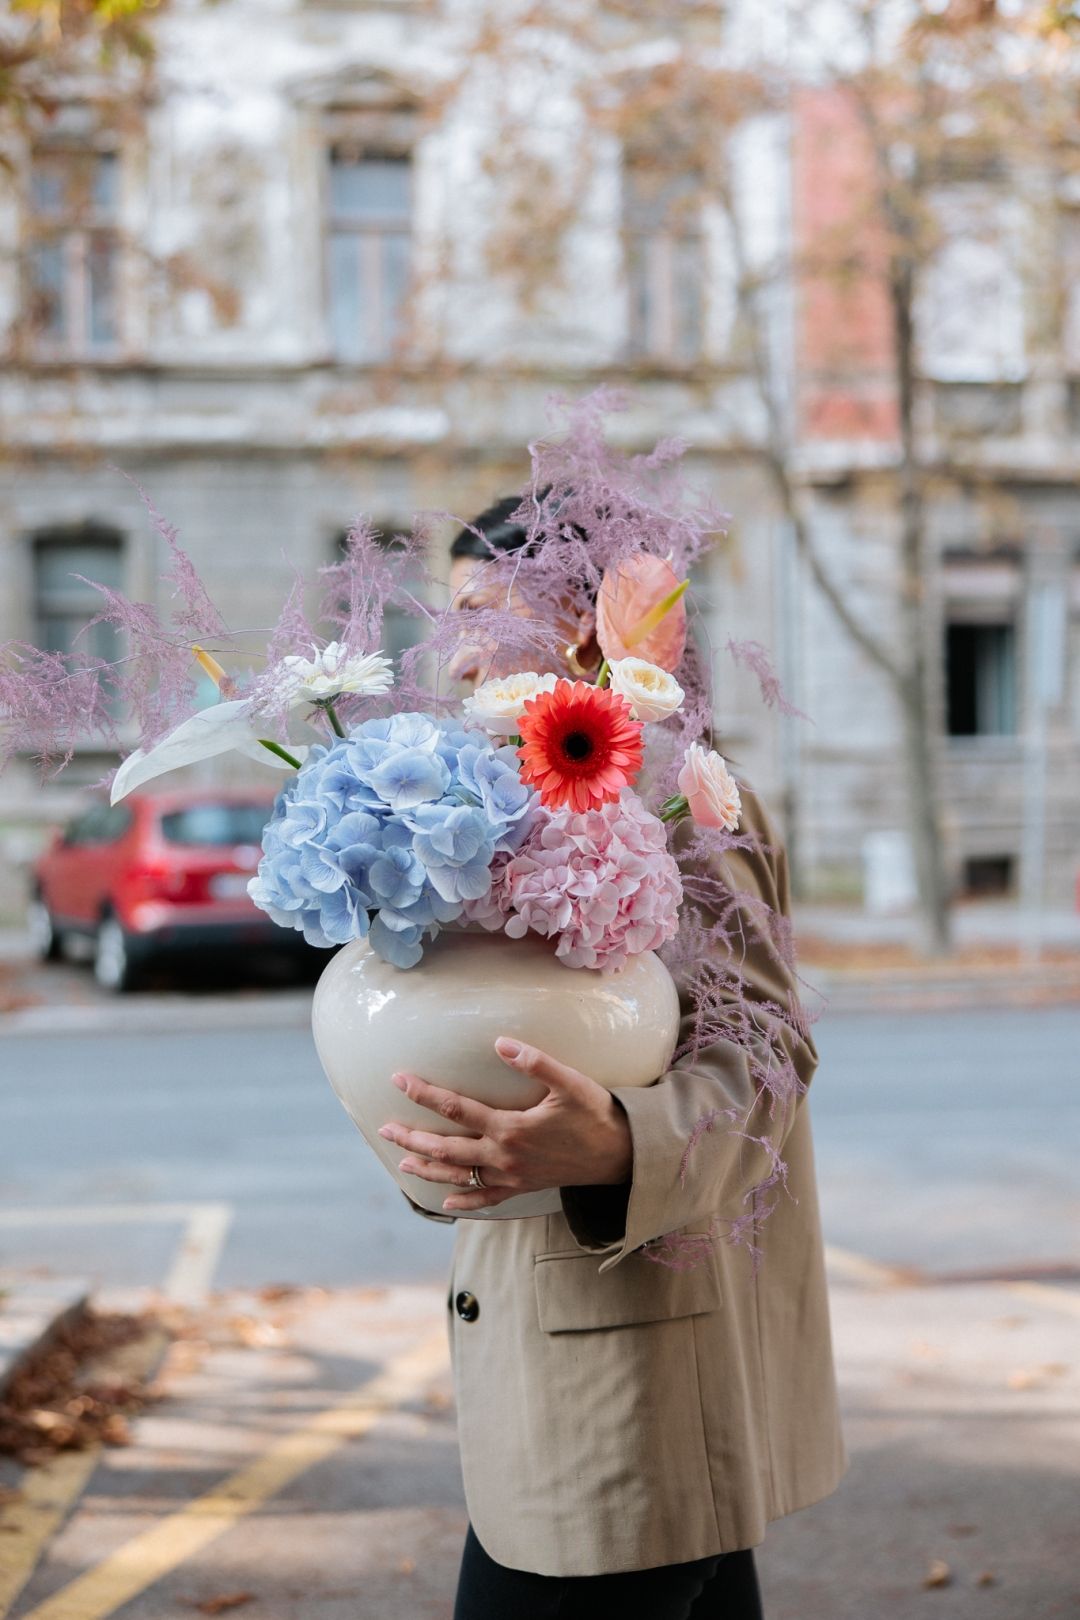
(440, 1020)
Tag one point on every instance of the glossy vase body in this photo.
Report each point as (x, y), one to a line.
(441, 1019)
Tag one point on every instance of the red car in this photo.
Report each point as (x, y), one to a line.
(158, 873)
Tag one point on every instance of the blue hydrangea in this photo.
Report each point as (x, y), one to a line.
(385, 834)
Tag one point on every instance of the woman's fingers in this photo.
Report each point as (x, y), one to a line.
(548, 1070)
(463, 1111)
(466, 1150)
(453, 1175)
(484, 1198)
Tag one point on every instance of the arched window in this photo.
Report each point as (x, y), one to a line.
(64, 604)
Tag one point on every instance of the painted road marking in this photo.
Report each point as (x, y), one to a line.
(1059, 1299)
(48, 1491)
(859, 1268)
(146, 1558)
(206, 1226)
(29, 1522)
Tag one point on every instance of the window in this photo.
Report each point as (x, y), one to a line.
(970, 313)
(980, 673)
(103, 824)
(71, 280)
(368, 250)
(665, 260)
(986, 875)
(64, 604)
(216, 826)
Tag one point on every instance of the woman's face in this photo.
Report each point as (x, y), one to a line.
(476, 660)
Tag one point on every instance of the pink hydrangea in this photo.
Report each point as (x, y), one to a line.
(600, 881)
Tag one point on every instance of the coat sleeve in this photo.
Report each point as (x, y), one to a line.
(712, 1129)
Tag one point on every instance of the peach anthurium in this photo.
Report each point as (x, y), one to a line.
(640, 612)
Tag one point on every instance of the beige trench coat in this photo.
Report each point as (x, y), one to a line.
(614, 1413)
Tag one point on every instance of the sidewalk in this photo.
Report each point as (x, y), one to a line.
(302, 1465)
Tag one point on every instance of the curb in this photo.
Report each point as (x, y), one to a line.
(157, 1015)
(31, 1313)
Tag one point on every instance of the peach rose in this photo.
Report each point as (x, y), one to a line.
(710, 789)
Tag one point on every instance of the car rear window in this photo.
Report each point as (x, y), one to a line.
(216, 824)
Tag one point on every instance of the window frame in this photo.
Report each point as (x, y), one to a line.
(387, 136)
(78, 228)
(656, 244)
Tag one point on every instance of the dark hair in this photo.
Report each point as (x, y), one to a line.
(496, 531)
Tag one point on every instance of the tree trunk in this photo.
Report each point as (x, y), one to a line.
(923, 814)
(919, 721)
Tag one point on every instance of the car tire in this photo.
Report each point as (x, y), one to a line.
(45, 938)
(115, 967)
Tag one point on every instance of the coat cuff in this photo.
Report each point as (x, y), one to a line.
(596, 1216)
(428, 1214)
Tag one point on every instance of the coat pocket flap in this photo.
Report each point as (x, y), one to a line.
(572, 1296)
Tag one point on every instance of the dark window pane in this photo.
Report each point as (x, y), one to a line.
(101, 324)
(48, 192)
(216, 825)
(45, 290)
(106, 186)
(394, 287)
(370, 189)
(980, 679)
(64, 604)
(345, 304)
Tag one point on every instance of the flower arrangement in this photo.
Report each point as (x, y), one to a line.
(541, 804)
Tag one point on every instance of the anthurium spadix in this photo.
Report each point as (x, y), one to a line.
(224, 728)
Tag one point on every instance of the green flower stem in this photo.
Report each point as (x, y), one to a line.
(331, 714)
(673, 810)
(282, 753)
(603, 674)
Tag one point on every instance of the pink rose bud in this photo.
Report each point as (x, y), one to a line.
(710, 789)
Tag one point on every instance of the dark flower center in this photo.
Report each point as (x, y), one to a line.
(577, 745)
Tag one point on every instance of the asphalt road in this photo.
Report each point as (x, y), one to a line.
(946, 1140)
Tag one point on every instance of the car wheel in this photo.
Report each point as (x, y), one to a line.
(46, 941)
(114, 967)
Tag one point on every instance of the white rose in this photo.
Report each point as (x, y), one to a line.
(499, 704)
(651, 692)
(333, 671)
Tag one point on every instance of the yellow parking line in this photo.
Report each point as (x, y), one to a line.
(1058, 1299)
(48, 1492)
(146, 1558)
(28, 1522)
(860, 1268)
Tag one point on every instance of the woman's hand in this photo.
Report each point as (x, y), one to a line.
(577, 1136)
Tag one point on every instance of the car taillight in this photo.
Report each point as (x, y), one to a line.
(168, 883)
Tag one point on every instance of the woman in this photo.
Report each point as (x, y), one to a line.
(629, 1422)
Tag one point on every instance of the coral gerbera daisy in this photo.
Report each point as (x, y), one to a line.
(580, 745)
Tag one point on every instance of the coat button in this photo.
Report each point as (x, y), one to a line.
(467, 1306)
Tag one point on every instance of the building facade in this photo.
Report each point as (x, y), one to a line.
(332, 259)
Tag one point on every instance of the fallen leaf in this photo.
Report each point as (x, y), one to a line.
(963, 1529)
(116, 1431)
(226, 1601)
(939, 1574)
(986, 1579)
(406, 1566)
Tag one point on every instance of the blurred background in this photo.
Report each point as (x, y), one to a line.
(286, 262)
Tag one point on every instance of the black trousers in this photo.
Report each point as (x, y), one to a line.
(720, 1588)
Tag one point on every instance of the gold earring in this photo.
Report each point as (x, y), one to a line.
(573, 663)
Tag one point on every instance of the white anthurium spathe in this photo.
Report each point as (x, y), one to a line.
(224, 728)
(332, 672)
